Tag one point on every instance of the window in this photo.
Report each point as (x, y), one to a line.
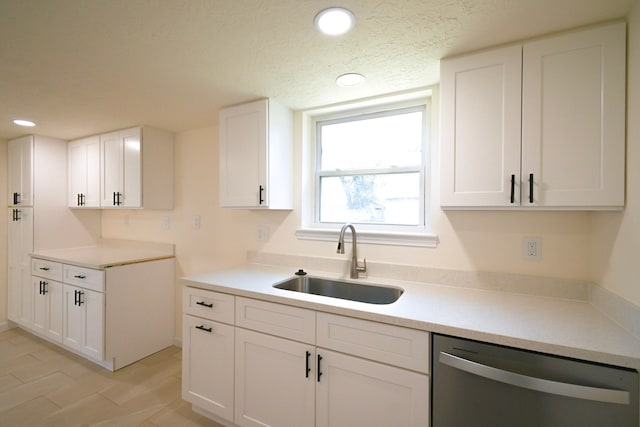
(369, 166)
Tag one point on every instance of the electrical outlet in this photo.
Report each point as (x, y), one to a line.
(531, 248)
(166, 222)
(263, 233)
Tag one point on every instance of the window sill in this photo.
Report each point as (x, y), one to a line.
(419, 240)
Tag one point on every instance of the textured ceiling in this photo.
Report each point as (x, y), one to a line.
(80, 67)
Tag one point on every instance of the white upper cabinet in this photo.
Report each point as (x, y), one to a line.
(536, 125)
(256, 156)
(480, 148)
(573, 128)
(84, 173)
(20, 171)
(137, 169)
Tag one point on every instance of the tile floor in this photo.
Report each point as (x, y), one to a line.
(44, 385)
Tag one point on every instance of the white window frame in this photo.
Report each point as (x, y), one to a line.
(311, 229)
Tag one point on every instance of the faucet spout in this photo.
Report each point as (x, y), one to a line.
(356, 269)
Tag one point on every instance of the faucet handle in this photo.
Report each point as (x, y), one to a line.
(362, 270)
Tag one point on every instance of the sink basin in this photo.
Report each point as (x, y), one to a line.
(372, 294)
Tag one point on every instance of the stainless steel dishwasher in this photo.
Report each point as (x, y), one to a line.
(480, 384)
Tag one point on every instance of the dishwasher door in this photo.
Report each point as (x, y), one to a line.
(480, 384)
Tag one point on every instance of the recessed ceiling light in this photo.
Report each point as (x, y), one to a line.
(21, 122)
(350, 79)
(335, 21)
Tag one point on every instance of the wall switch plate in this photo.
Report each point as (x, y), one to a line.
(531, 248)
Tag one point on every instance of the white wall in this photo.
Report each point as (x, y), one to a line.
(616, 236)
(576, 245)
(3, 233)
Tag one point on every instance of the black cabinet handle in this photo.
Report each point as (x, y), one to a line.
(261, 191)
(16, 198)
(119, 194)
(43, 287)
(83, 200)
(77, 298)
(80, 276)
(513, 188)
(319, 371)
(78, 203)
(307, 368)
(204, 304)
(16, 215)
(202, 328)
(530, 188)
(45, 268)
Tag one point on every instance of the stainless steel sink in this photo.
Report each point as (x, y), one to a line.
(372, 294)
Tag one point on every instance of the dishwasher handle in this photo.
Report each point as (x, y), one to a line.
(537, 384)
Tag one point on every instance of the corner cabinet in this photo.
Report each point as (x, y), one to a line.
(536, 125)
(256, 156)
(136, 169)
(112, 316)
(298, 367)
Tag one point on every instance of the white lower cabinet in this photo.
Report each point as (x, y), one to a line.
(47, 308)
(67, 304)
(207, 365)
(275, 381)
(352, 391)
(298, 367)
(83, 321)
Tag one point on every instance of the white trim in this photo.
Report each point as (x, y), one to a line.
(310, 229)
(422, 240)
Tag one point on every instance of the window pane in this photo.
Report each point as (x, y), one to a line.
(377, 142)
(374, 199)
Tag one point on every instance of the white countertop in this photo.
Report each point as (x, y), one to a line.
(108, 253)
(564, 327)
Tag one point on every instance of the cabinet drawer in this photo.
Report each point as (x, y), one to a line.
(282, 320)
(46, 269)
(395, 345)
(208, 304)
(87, 278)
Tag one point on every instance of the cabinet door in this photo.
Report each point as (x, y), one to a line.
(132, 170)
(84, 173)
(121, 169)
(357, 392)
(205, 384)
(243, 155)
(54, 310)
(273, 385)
(46, 310)
(40, 305)
(480, 134)
(83, 321)
(20, 171)
(20, 245)
(111, 168)
(573, 129)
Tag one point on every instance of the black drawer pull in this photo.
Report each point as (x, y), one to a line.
(45, 268)
(77, 298)
(307, 368)
(204, 304)
(80, 276)
(319, 371)
(202, 328)
(530, 188)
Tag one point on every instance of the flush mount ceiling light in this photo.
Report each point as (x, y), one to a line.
(334, 21)
(350, 80)
(21, 122)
